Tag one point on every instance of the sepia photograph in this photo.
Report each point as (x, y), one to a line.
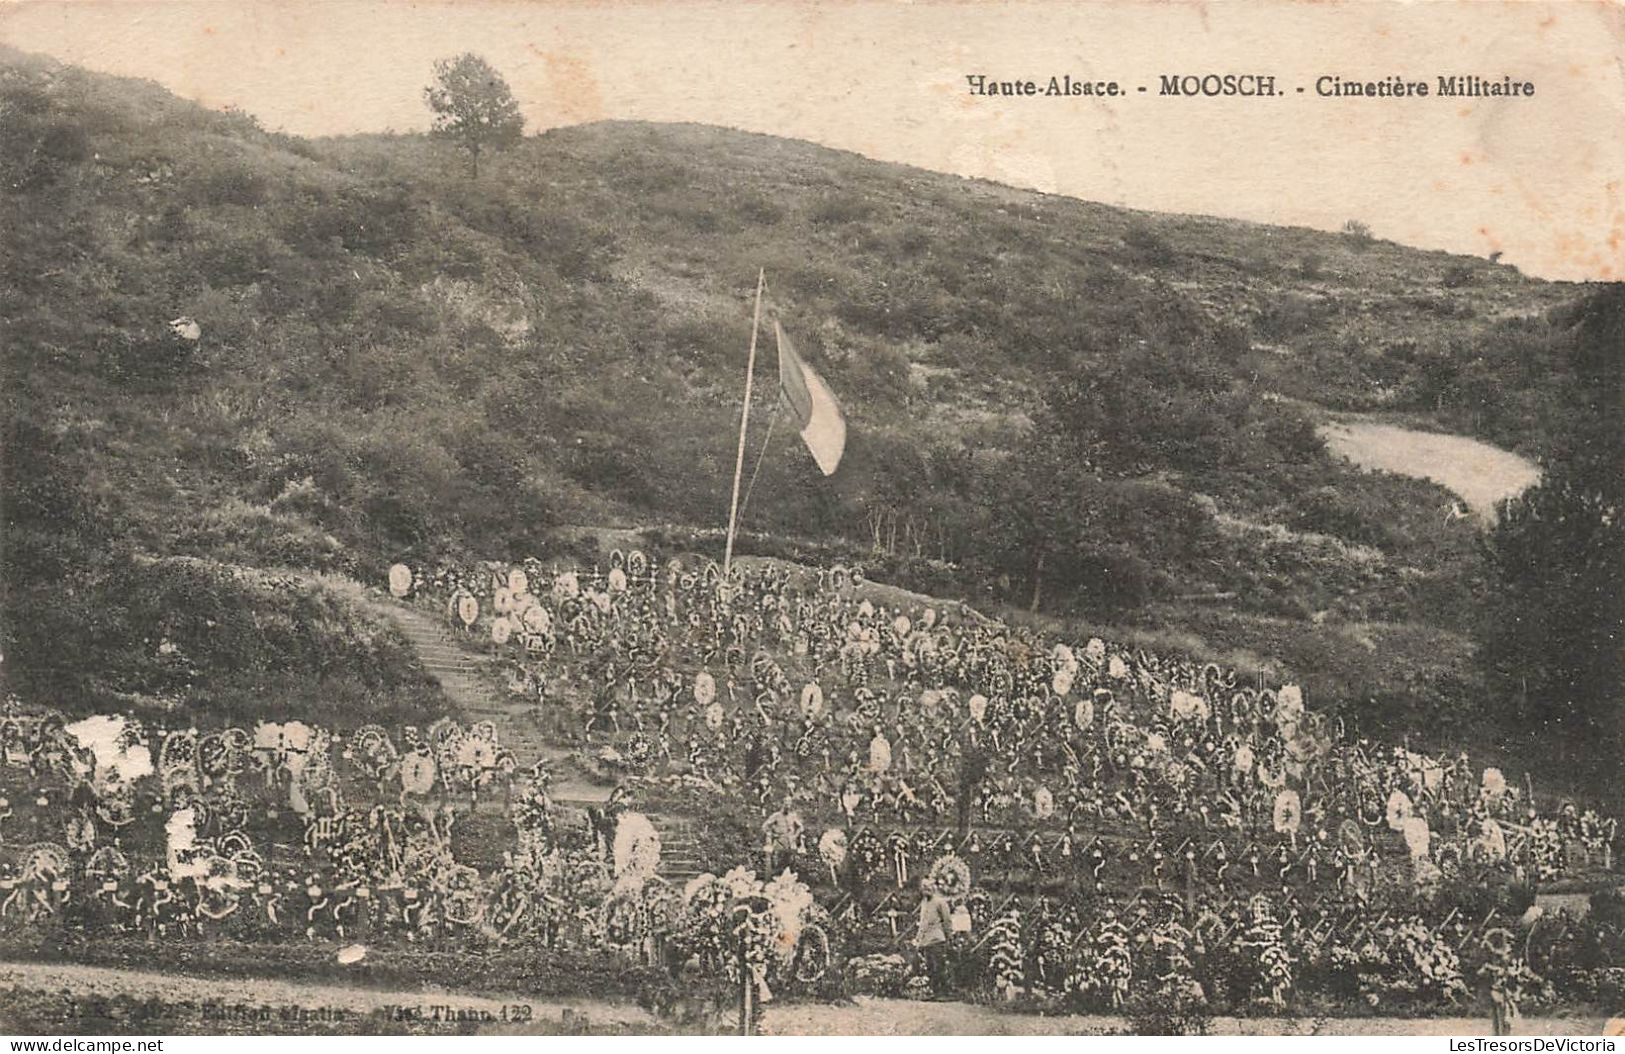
(782, 518)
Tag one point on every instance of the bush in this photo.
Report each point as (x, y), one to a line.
(153, 355)
(229, 185)
(880, 371)
(1107, 580)
(759, 209)
(38, 146)
(1458, 275)
(1294, 437)
(1149, 248)
(1291, 315)
(840, 208)
(1328, 510)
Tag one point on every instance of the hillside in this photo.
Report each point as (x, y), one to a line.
(398, 362)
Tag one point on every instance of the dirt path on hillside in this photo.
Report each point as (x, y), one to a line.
(1482, 475)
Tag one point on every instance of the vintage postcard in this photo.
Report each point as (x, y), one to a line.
(811, 517)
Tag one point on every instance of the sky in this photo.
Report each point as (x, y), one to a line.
(1540, 179)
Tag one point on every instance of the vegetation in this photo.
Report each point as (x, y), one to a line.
(1554, 638)
(1107, 414)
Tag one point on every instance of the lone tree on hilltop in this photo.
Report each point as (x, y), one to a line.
(473, 107)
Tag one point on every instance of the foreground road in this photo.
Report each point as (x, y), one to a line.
(201, 1000)
(904, 1017)
(212, 1004)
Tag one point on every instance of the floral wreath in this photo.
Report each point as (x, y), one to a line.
(951, 876)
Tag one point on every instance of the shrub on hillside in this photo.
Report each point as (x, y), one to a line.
(576, 249)
(758, 209)
(228, 184)
(1149, 248)
(878, 374)
(228, 256)
(896, 307)
(38, 144)
(286, 534)
(143, 356)
(1459, 275)
(1293, 437)
(1291, 315)
(839, 208)
(1107, 581)
(1328, 510)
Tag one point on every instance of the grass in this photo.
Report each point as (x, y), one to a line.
(400, 363)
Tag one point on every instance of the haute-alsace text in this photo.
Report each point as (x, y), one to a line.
(1062, 86)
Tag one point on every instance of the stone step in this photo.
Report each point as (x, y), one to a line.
(450, 656)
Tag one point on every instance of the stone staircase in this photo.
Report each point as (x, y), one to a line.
(464, 676)
(451, 658)
(461, 674)
(679, 852)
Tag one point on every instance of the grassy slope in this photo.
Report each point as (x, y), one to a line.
(398, 362)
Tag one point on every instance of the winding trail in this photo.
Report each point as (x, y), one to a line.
(1480, 474)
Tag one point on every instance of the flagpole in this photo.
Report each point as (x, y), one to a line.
(744, 423)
